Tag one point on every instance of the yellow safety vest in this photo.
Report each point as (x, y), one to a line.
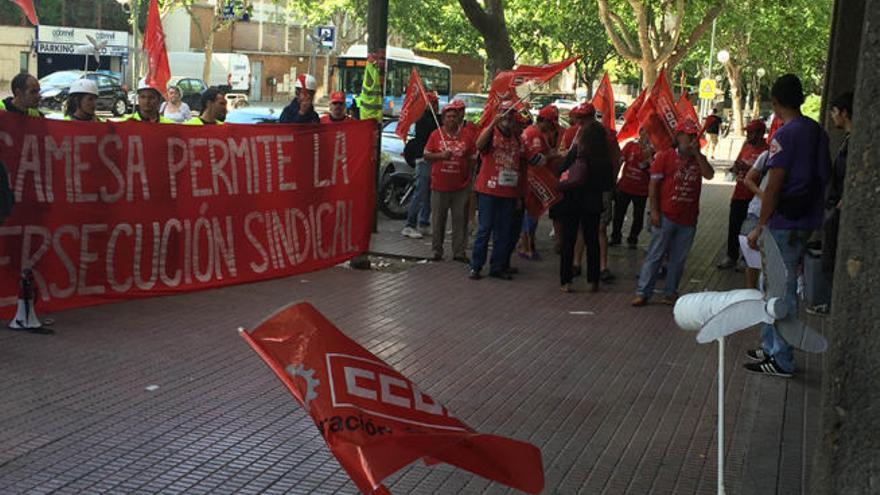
(137, 118)
(199, 121)
(370, 100)
(31, 112)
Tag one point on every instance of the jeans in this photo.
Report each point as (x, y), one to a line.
(588, 222)
(792, 245)
(671, 237)
(495, 218)
(420, 206)
(621, 204)
(516, 229)
(739, 209)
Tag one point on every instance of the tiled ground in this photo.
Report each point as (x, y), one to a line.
(619, 399)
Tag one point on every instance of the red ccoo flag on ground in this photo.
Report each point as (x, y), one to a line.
(658, 115)
(27, 7)
(631, 118)
(603, 101)
(158, 72)
(414, 105)
(518, 83)
(375, 420)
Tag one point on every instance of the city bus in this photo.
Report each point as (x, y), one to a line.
(350, 75)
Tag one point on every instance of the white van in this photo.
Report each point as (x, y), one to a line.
(227, 69)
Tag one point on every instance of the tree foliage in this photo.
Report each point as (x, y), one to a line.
(106, 13)
(348, 16)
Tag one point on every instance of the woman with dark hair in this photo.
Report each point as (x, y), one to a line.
(82, 101)
(581, 205)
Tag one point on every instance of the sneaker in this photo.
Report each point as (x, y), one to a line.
(727, 264)
(756, 354)
(669, 299)
(819, 310)
(767, 367)
(606, 275)
(639, 301)
(474, 274)
(411, 233)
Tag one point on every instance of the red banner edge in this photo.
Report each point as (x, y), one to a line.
(279, 372)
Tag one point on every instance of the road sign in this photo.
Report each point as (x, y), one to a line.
(707, 88)
(327, 36)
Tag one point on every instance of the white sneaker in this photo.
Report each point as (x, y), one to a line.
(411, 233)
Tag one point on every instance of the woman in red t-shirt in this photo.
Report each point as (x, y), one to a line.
(450, 151)
(633, 188)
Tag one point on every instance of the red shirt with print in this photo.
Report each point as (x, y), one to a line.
(746, 158)
(502, 169)
(453, 174)
(636, 173)
(681, 182)
(536, 142)
(568, 138)
(325, 119)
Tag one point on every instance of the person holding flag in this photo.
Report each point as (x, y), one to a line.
(450, 152)
(632, 188)
(301, 109)
(674, 193)
(541, 142)
(337, 109)
(418, 217)
(500, 184)
(742, 196)
(148, 98)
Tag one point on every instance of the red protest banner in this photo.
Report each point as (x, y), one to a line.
(603, 101)
(414, 105)
(111, 211)
(542, 191)
(631, 119)
(158, 72)
(658, 115)
(516, 84)
(686, 111)
(375, 420)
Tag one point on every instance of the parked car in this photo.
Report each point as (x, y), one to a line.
(55, 87)
(253, 115)
(191, 90)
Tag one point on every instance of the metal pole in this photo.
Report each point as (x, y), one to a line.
(721, 416)
(707, 103)
(135, 53)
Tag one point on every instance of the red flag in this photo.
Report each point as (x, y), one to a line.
(374, 420)
(158, 72)
(542, 192)
(658, 115)
(631, 118)
(27, 7)
(775, 124)
(414, 105)
(517, 83)
(686, 111)
(603, 101)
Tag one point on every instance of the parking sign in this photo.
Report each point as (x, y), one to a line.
(327, 35)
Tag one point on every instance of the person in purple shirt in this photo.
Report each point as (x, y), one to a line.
(799, 166)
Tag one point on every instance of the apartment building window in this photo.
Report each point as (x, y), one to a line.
(24, 59)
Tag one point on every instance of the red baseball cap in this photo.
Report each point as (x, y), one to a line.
(337, 97)
(454, 105)
(687, 127)
(549, 112)
(585, 109)
(756, 125)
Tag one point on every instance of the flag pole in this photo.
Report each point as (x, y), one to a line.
(431, 108)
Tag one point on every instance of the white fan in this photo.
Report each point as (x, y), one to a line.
(94, 48)
(716, 315)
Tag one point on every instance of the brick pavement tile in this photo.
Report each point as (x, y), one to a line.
(619, 401)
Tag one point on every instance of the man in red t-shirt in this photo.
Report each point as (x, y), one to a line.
(450, 151)
(739, 201)
(500, 185)
(541, 143)
(674, 192)
(633, 188)
(337, 109)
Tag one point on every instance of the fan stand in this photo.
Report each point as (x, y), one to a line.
(720, 475)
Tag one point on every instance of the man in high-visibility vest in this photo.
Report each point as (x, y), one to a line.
(370, 100)
(25, 96)
(148, 99)
(302, 109)
(213, 108)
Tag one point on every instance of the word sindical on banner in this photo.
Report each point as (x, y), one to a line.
(110, 211)
(375, 420)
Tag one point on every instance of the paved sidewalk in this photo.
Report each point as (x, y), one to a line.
(618, 399)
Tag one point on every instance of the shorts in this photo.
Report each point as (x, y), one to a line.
(605, 218)
(748, 225)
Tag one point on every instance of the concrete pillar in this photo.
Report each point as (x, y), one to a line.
(848, 454)
(843, 59)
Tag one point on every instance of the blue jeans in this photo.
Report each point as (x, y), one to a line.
(671, 237)
(792, 245)
(495, 219)
(420, 206)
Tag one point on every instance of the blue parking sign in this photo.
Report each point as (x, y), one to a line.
(327, 35)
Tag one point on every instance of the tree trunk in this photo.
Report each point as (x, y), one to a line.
(489, 22)
(734, 77)
(849, 453)
(499, 53)
(650, 71)
(756, 97)
(209, 53)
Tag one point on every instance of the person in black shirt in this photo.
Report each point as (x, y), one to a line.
(712, 127)
(418, 217)
(301, 110)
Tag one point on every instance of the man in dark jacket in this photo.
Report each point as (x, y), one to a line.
(418, 217)
(301, 110)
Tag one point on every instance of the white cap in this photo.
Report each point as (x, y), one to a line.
(307, 81)
(142, 84)
(84, 86)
